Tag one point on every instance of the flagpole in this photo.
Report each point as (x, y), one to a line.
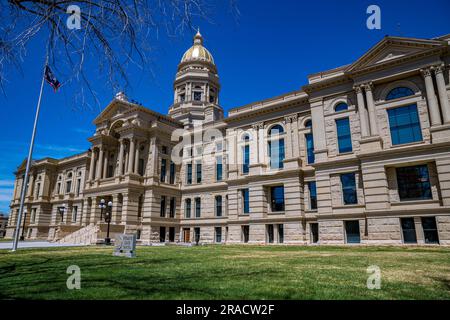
(29, 159)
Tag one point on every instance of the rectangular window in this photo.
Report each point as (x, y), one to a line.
(218, 201)
(348, 183)
(78, 186)
(38, 190)
(352, 231)
(68, 186)
(312, 195)
(189, 173)
(172, 207)
(219, 168)
(163, 170)
(270, 233)
(140, 167)
(310, 148)
(172, 173)
(172, 234)
(414, 183)
(164, 149)
(162, 234)
(74, 213)
(187, 208)
(245, 200)
(430, 231)
(199, 172)
(344, 135)
(314, 232)
(218, 234)
(280, 233)
(276, 154)
(197, 234)
(246, 159)
(58, 188)
(409, 230)
(198, 205)
(245, 233)
(277, 198)
(197, 96)
(162, 209)
(405, 125)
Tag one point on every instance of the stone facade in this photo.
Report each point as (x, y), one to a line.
(3, 224)
(195, 175)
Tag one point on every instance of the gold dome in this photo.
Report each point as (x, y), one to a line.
(197, 52)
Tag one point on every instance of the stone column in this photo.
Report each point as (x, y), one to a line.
(288, 142)
(443, 96)
(105, 164)
(433, 106)
(121, 152)
(115, 208)
(30, 185)
(136, 158)
(371, 108)
(256, 144)
(91, 168)
(365, 130)
(131, 156)
(318, 128)
(295, 138)
(100, 164)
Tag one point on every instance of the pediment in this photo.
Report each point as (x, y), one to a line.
(114, 110)
(393, 48)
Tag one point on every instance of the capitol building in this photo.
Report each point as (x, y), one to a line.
(360, 154)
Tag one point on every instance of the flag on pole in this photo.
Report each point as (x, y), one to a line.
(51, 79)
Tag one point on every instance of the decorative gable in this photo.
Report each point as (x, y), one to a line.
(393, 48)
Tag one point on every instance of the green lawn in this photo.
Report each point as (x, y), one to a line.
(227, 272)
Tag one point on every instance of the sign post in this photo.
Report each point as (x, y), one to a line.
(125, 245)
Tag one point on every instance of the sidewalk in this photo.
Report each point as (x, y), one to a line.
(35, 244)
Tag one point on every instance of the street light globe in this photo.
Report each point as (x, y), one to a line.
(110, 204)
(102, 201)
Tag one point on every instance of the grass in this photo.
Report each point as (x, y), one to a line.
(228, 272)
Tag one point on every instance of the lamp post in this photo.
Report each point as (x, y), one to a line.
(108, 220)
(22, 236)
(102, 207)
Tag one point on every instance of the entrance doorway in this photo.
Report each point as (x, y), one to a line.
(187, 235)
(314, 232)
(172, 234)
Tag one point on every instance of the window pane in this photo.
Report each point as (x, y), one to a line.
(310, 148)
(409, 230)
(246, 160)
(246, 200)
(399, 93)
(277, 198)
(341, 107)
(312, 195)
(352, 231)
(189, 173)
(414, 183)
(430, 230)
(349, 188)
(405, 125)
(344, 135)
(276, 154)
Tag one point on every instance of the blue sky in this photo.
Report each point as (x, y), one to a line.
(268, 50)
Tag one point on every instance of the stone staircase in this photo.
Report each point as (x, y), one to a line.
(85, 235)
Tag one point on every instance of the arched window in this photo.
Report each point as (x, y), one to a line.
(308, 124)
(246, 137)
(342, 106)
(399, 92)
(276, 130)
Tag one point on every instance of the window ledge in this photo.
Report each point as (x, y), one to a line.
(349, 206)
(415, 143)
(276, 213)
(414, 202)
